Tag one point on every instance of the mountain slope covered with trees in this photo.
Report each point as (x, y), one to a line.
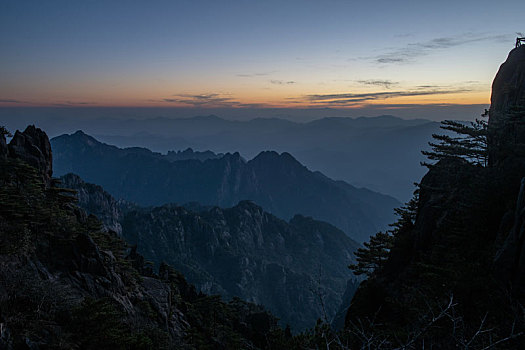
(238, 252)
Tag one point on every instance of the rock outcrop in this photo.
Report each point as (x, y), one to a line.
(96, 201)
(508, 87)
(32, 146)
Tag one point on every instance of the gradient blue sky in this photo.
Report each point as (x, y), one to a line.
(247, 54)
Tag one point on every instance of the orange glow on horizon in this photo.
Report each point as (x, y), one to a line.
(246, 100)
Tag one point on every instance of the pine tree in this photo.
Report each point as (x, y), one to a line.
(406, 214)
(4, 132)
(468, 143)
(373, 256)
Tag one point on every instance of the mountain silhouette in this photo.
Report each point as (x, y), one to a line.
(277, 182)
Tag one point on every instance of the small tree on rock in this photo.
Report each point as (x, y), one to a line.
(373, 256)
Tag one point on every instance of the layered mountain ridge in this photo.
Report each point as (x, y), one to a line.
(277, 182)
(371, 152)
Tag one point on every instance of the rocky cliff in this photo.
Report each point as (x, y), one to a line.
(94, 200)
(248, 253)
(508, 98)
(508, 88)
(507, 157)
(455, 276)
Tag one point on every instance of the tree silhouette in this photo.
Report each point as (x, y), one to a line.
(469, 142)
(4, 132)
(373, 256)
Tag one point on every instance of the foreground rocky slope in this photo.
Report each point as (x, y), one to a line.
(241, 251)
(277, 182)
(65, 283)
(455, 277)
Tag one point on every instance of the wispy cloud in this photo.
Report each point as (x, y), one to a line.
(10, 100)
(282, 82)
(350, 99)
(411, 51)
(257, 74)
(419, 105)
(387, 84)
(203, 100)
(74, 103)
(210, 100)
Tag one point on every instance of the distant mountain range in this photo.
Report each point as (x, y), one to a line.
(240, 251)
(380, 153)
(277, 182)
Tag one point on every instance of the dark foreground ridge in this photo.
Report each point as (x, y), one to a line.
(65, 283)
(455, 277)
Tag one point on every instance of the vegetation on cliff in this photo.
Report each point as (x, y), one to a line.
(455, 274)
(66, 283)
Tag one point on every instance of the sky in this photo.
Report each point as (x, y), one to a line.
(248, 54)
